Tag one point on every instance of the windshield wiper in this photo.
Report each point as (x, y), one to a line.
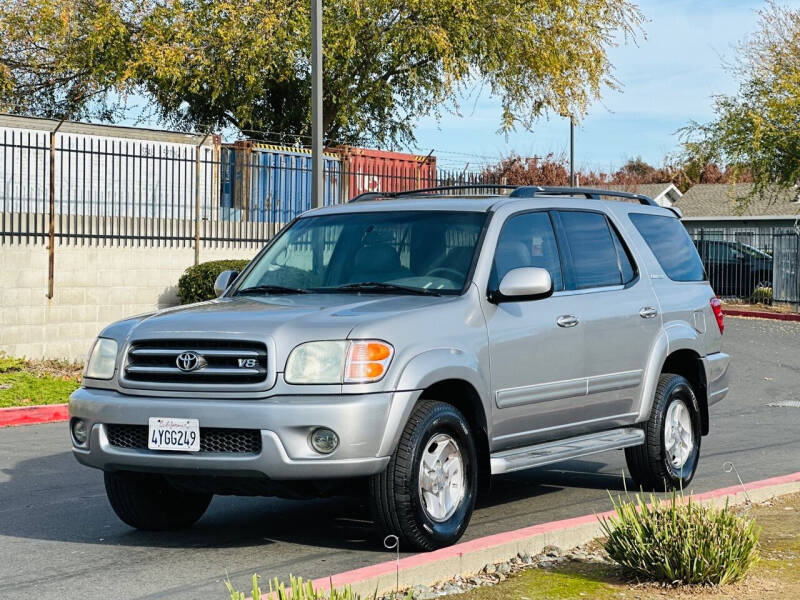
(271, 289)
(379, 286)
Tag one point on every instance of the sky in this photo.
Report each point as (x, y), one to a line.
(667, 79)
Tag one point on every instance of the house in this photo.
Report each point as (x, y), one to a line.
(665, 194)
(725, 212)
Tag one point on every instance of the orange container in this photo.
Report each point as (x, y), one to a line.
(367, 170)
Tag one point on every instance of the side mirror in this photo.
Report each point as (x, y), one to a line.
(223, 281)
(525, 283)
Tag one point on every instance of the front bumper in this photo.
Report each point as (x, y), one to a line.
(284, 422)
(716, 369)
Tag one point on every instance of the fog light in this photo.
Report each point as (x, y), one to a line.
(79, 431)
(324, 440)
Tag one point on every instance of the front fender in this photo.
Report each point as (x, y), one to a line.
(422, 371)
(675, 336)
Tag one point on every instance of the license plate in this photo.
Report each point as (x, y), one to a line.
(167, 433)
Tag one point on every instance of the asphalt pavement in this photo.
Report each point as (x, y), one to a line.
(59, 538)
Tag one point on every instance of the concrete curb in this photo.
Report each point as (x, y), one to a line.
(32, 415)
(470, 557)
(757, 314)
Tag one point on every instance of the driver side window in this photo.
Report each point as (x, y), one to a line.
(527, 240)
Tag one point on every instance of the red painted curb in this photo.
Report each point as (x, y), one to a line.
(31, 415)
(390, 567)
(735, 312)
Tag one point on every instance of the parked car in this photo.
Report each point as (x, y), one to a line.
(735, 269)
(407, 348)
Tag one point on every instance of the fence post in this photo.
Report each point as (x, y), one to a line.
(51, 250)
(197, 199)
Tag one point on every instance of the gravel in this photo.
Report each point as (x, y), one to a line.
(494, 573)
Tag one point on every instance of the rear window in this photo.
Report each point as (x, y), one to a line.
(671, 245)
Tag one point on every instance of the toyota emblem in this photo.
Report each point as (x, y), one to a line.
(190, 361)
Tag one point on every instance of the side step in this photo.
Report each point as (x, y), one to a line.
(551, 452)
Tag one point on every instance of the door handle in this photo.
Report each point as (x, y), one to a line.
(567, 321)
(648, 312)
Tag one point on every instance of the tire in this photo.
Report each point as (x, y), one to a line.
(658, 465)
(150, 503)
(403, 507)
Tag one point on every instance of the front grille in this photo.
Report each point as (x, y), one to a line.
(219, 362)
(212, 439)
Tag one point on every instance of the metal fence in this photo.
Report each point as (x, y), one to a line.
(91, 190)
(756, 266)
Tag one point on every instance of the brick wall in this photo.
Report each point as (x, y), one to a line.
(93, 286)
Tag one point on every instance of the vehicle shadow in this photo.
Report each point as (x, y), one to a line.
(53, 498)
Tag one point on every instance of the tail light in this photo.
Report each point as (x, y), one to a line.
(716, 306)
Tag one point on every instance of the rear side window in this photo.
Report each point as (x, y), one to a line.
(671, 245)
(592, 250)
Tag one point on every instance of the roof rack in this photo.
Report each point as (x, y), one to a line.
(442, 188)
(519, 191)
(533, 191)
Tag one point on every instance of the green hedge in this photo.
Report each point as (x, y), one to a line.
(197, 282)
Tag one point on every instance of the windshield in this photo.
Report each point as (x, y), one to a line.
(376, 252)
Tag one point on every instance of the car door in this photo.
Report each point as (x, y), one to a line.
(536, 365)
(618, 314)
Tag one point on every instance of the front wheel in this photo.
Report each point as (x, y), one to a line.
(668, 458)
(147, 501)
(426, 494)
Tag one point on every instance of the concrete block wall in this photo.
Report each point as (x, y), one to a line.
(93, 286)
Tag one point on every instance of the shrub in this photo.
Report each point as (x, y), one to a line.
(762, 295)
(298, 590)
(680, 542)
(197, 282)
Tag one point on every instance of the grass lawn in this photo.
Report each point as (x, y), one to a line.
(775, 577)
(27, 383)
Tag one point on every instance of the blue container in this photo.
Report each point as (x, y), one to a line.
(279, 182)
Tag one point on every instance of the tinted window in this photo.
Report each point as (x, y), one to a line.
(626, 264)
(527, 241)
(430, 250)
(592, 251)
(671, 246)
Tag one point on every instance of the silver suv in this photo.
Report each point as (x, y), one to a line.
(407, 347)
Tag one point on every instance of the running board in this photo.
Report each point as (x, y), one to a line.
(551, 452)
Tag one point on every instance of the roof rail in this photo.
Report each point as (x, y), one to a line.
(442, 188)
(533, 191)
(519, 191)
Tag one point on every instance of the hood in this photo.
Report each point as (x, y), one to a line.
(287, 319)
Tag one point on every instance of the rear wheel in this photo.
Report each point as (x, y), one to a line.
(668, 458)
(427, 493)
(146, 501)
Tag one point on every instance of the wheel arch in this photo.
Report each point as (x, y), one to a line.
(688, 363)
(463, 396)
(677, 350)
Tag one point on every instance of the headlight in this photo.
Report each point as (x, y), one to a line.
(102, 359)
(362, 361)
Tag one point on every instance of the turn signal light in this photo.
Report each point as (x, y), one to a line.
(367, 361)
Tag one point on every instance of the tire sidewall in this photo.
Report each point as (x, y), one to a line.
(447, 420)
(679, 389)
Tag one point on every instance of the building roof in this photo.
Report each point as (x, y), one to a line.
(116, 131)
(665, 194)
(724, 200)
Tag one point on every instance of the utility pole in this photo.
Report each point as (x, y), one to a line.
(316, 104)
(571, 152)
